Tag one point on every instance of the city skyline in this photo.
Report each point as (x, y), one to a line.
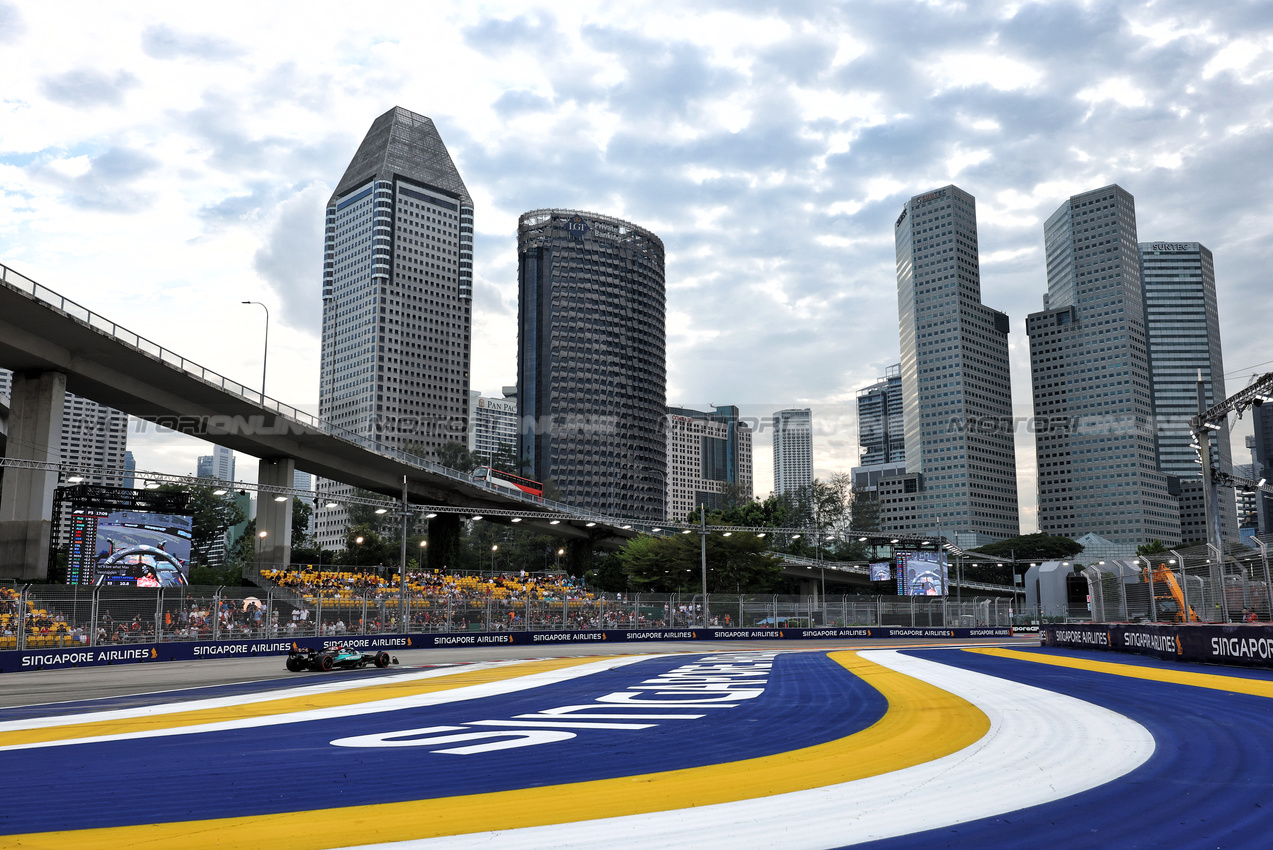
(221, 142)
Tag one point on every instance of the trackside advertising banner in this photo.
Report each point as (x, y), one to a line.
(1239, 645)
(51, 659)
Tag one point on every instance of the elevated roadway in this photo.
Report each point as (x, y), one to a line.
(54, 344)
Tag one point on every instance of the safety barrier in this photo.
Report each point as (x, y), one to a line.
(60, 617)
(57, 658)
(1232, 645)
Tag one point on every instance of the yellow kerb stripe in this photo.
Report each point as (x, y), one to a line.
(922, 723)
(374, 693)
(1254, 687)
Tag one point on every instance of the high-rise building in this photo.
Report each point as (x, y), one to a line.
(881, 434)
(1182, 326)
(397, 296)
(130, 466)
(961, 477)
(793, 450)
(493, 425)
(591, 359)
(1089, 364)
(94, 437)
(706, 452)
(219, 464)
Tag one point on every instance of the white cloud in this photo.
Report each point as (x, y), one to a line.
(1117, 90)
(964, 69)
(159, 164)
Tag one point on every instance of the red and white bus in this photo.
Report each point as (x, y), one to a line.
(507, 481)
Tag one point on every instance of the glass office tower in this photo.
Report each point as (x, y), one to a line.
(591, 360)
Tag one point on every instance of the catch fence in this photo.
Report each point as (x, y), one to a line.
(50, 616)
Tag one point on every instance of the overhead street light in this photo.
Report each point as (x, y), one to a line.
(266, 356)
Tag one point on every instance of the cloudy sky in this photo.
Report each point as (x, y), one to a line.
(163, 162)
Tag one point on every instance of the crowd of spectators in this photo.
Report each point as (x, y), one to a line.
(328, 583)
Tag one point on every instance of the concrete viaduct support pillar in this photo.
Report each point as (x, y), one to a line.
(444, 542)
(579, 557)
(26, 498)
(809, 589)
(274, 518)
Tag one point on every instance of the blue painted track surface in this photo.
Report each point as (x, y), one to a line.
(276, 768)
(1209, 783)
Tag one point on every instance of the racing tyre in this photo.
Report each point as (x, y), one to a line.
(326, 663)
(382, 660)
(295, 665)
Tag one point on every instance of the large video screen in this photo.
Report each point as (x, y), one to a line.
(130, 548)
(881, 571)
(922, 574)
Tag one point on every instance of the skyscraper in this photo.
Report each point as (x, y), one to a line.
(397, 295)
(219, 464)
(793, 450)
(956, 393)
(881, 434)
(1089, 364)
(705, 453)
(1182, 325)
(493, 425)
(591, 359)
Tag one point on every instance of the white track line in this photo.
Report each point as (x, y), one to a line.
(507, 686)
(1041, 746)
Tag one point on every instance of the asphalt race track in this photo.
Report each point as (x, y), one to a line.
(753, 745)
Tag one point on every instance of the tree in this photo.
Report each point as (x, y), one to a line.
(1153, 547)
(1033, 547)
(373, 550)
(738, 563)
(864, 511)
(301, 512)
(455, 455)
(211, 515)
(505, 459)
(365, 516)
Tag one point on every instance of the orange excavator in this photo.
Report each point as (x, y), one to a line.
(1168, 597)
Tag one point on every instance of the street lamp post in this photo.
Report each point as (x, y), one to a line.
(266, 356)
(702, 524)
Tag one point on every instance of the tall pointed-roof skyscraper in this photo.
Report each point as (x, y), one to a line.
(397, 297)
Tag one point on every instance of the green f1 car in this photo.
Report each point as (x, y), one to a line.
(305, 658)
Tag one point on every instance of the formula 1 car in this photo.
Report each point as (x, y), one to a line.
(304, 658)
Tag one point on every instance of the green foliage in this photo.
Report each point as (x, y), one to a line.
(365, 517)
(455, 455)
(301, 512)
(1153, 547)
(372, 551)
(738, 563)
(210, 517)
(505, 459)
(1033, 547)
(864, 511)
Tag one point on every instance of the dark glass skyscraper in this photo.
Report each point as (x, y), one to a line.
(591, 360)
(397, 296)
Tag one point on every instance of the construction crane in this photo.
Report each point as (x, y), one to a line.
(1172, 599)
